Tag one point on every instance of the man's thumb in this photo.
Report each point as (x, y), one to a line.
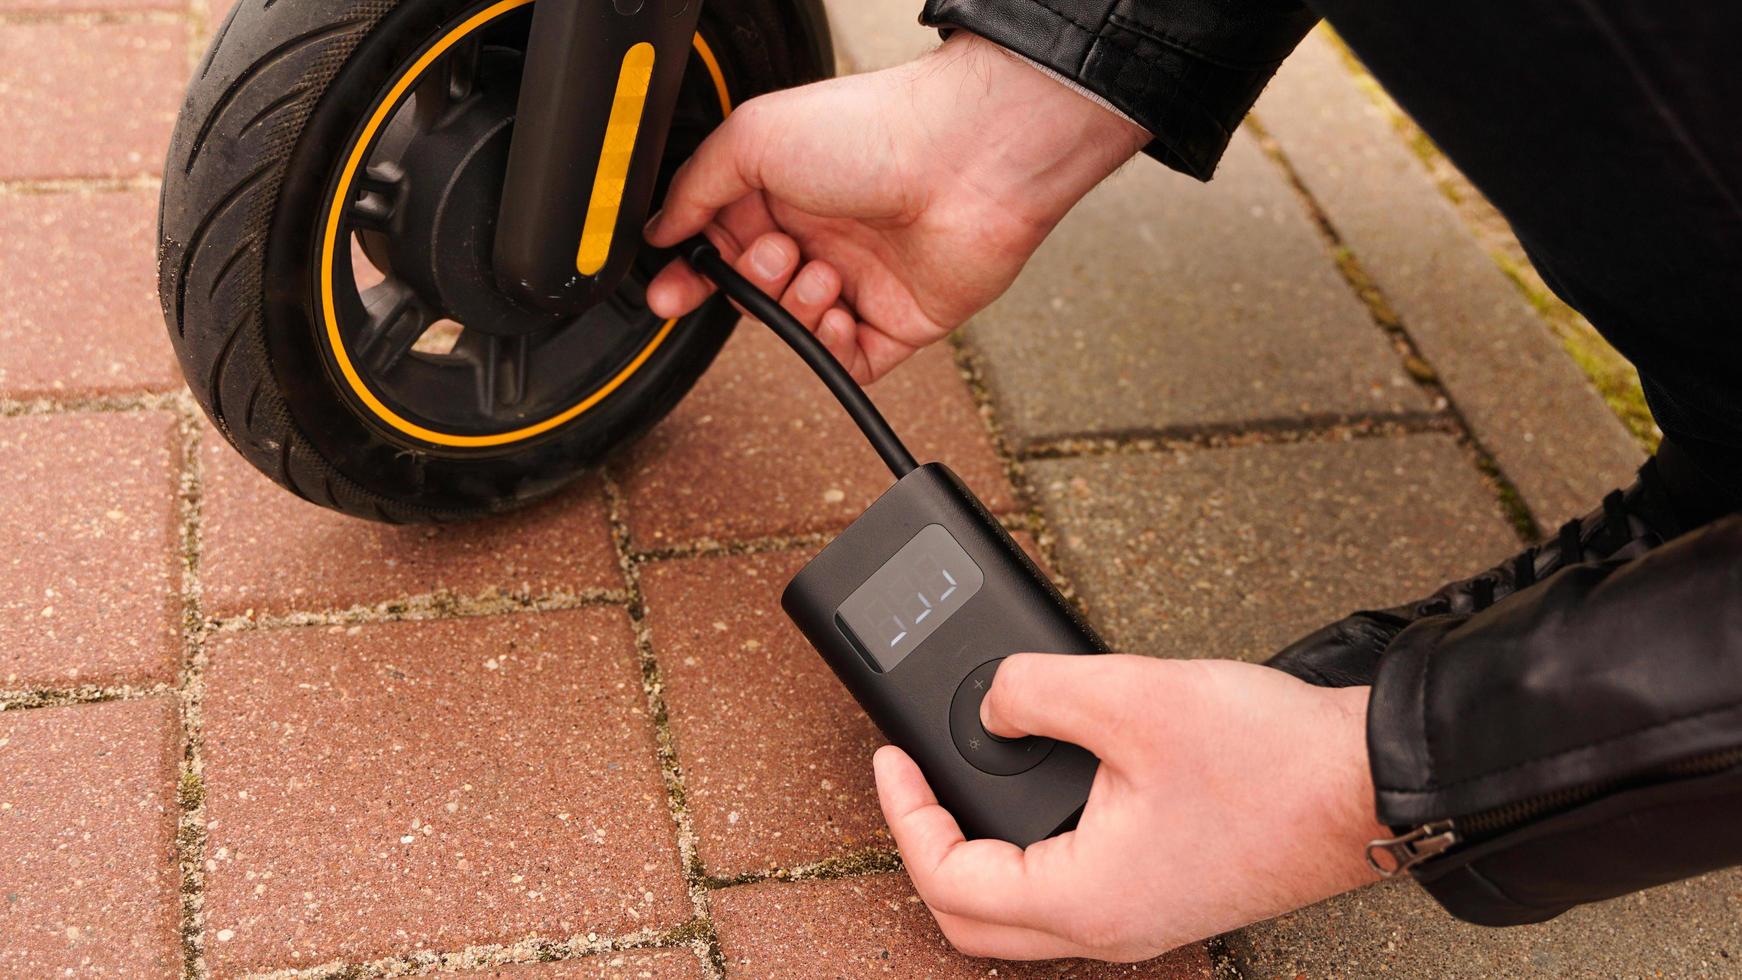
(1071, 698)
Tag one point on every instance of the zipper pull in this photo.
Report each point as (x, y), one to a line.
(1389, 857)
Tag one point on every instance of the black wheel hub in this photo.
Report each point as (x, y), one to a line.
(427, 330)
(447, 164)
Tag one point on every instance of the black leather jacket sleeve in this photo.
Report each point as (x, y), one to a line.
(1186, 70)
(1575, 741)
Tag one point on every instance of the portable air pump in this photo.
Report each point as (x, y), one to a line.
(915, 604)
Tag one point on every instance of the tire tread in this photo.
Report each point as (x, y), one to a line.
(245, 107)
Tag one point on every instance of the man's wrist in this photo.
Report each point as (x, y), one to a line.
(1076, 87)
(1015, 126)
(1350, 815)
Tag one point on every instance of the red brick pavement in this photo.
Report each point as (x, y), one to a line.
(658, 964)
(89, 550)
(267, 552)
(88, 100)
(760, 449)
(87, 841)
(86, 321)
(431, 785)
(777, 757)
(874, 925)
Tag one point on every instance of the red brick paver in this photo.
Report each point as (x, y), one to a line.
(85, 320)
(267, 551)
(652, 964)
(876, 926)
(87, 841)
(776, 754)
(88, 100)
(760, 449)
(402, 786)
(89, 543)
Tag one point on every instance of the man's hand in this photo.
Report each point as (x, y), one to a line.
(1227, 793)
(885, 209)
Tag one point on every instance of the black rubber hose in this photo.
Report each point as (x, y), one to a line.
(705, 259)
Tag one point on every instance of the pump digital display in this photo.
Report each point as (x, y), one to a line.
(906, 600)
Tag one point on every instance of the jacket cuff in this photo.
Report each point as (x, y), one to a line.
(1188, 82)
(1576, 741)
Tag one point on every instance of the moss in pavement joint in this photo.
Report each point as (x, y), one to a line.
(191, 792)
(868, 861)
(1511, 501)
(1615, 378)
(86, 694)
(1420, 370)
(1418, 367)
(711, 548)
(687, 934)
(699, 932)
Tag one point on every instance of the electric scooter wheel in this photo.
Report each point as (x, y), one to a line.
(326, 229)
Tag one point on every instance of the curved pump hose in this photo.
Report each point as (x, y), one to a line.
(705, 259)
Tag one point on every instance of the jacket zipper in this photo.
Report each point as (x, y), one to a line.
(1391, 856)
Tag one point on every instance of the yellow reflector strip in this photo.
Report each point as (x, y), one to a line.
(614, 158)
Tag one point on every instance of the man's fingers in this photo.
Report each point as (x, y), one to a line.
(972, 937)
(865, 351)
(881, 352)
(922, 829)
(1064, 697)
(769, 262)
(721, 171)
(813, 291)
(839, 333)
(984, 880)
(677, 290)
(772, 263)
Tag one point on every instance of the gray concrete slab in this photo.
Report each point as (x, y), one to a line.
(873, 34)
(1236, 552)
(1523, 396)
(1160, 304)
(1689, 929)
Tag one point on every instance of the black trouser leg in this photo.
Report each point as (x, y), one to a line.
(1609, 132)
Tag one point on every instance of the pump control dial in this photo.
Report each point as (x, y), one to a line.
(985, 751)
